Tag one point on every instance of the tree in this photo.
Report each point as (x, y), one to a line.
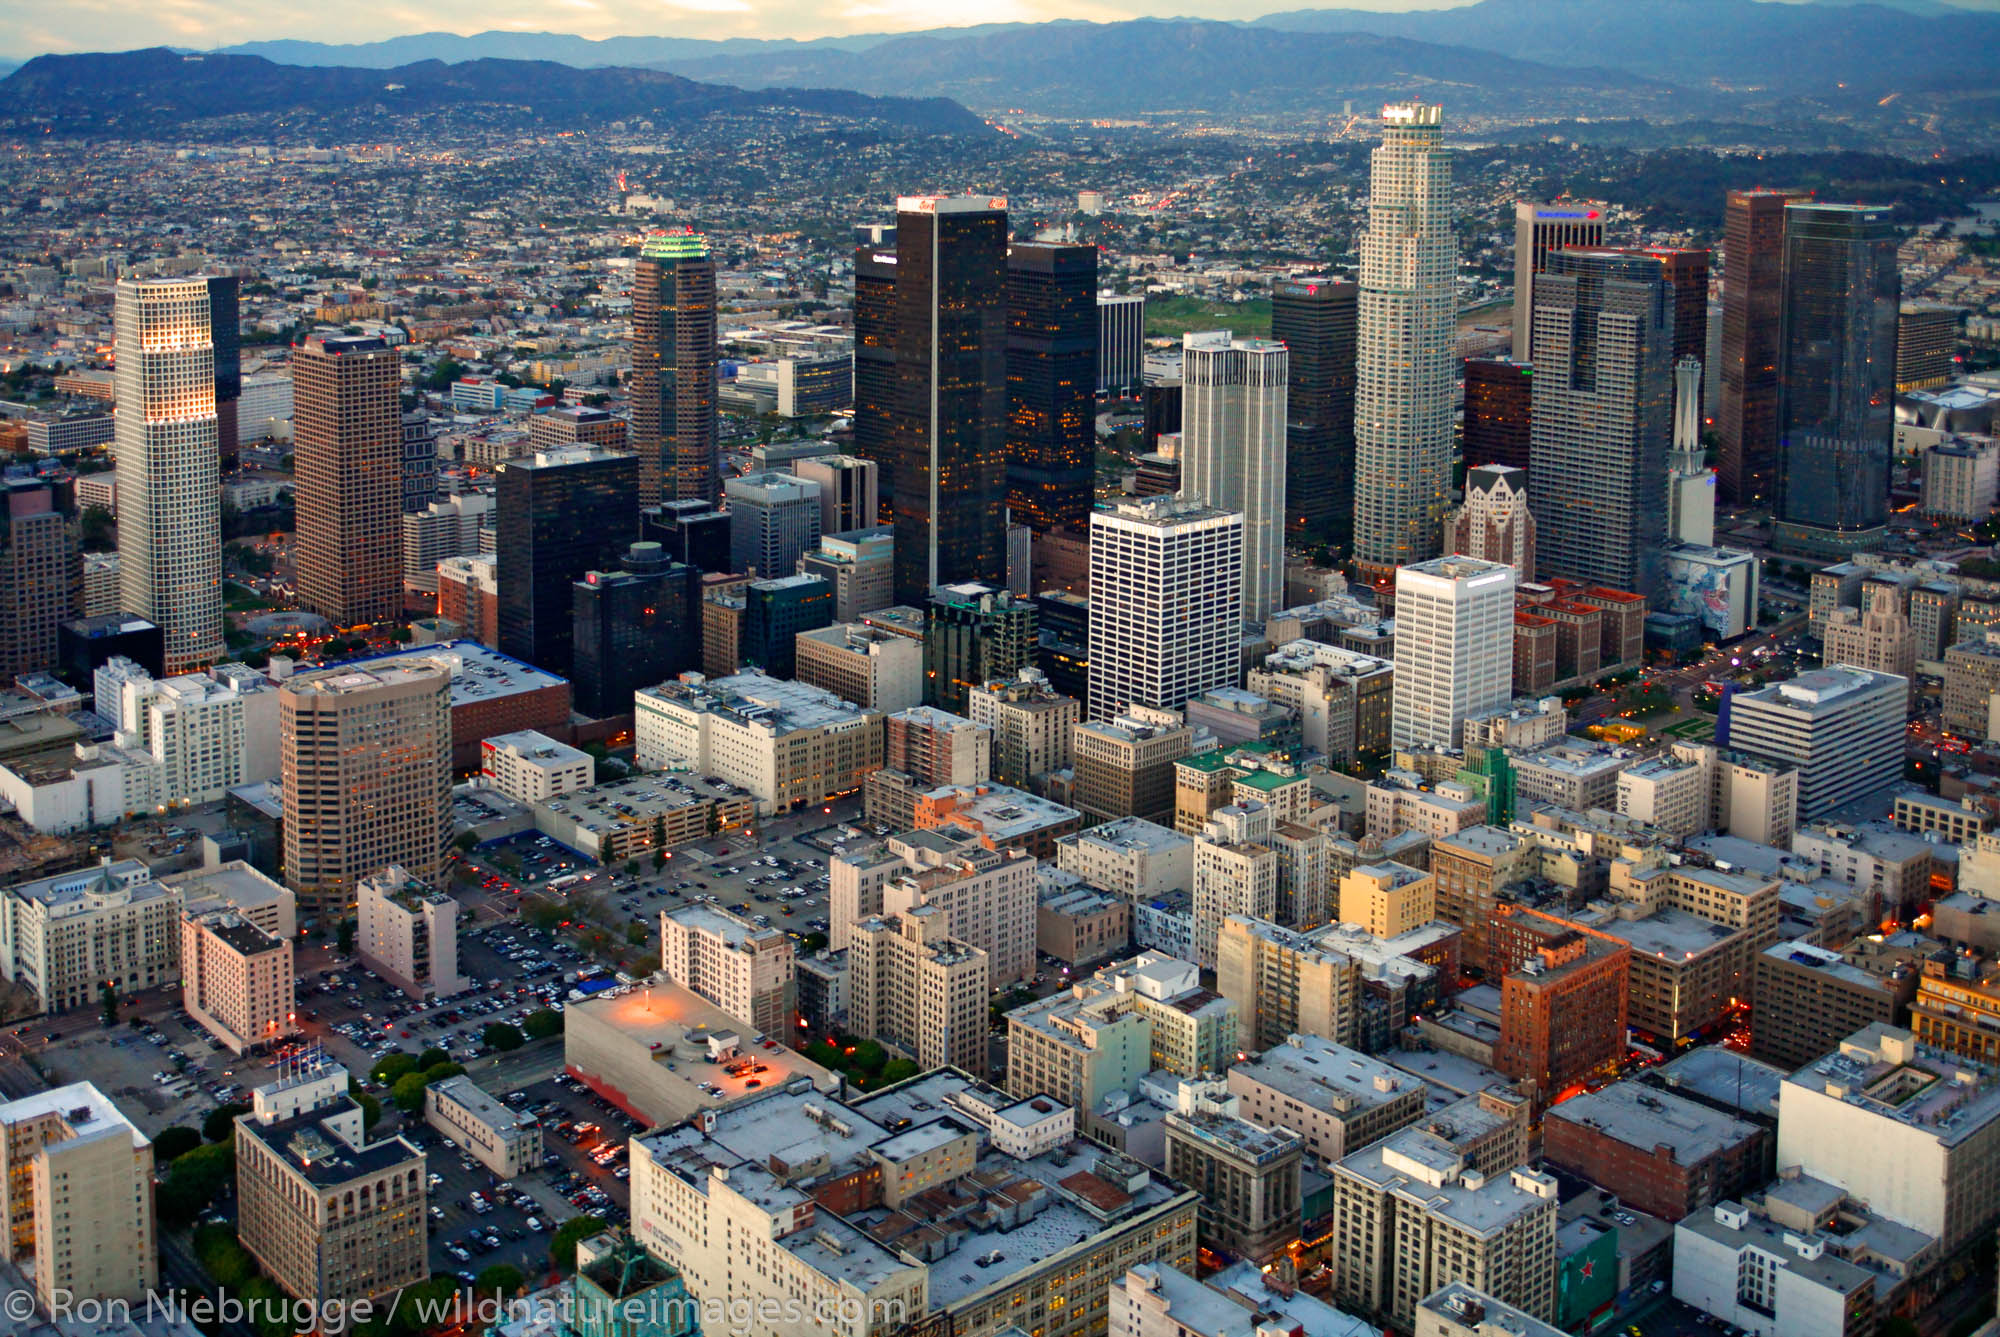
(466, 841)
(631, 868)
(438, 1072)
(408, 1092)
(195, 1180)
(898, 1070)
(171, 1143)
(390, 1068)
(542, 1023)
(220, 1125)
(431, 1057)
(371, 1110)
(562, 1248)
(501, 1279)
(499, 1035)
(348, 928)
(635, 935)
(870, 1057)
(110, 1001)
(97, 530)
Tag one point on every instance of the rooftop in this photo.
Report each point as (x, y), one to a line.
(1468, 1308)
(1131, 835)
(317, 1152)
(757, 700)
(1820, 691)
(496, 1116)
(1883, 1070)
(1317, 1072)
(477, 673)
(1734, 1226)
(80, 1105)
(1648, 1118)
(670, 1021)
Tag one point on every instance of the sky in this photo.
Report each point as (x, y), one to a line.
(28, 28)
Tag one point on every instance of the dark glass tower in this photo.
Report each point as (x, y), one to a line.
(775, 612)
(560, 513)
(1499, 407)
(1753, 253)
(1603, 418)
(1051, 384)
(975, 633)
(1315, 319)
(226, 330)
(875, 367)
(673, 369)
(633, 628)
(1836, 378)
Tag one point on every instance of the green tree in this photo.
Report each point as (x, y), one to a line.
(109, 1000)
(438, 1072)
(466, 842)
(97, 530)
(501, 1279)
(870, 1057)
(562, 1247)
(170, 1143)
(220, 1125)
(391, 1067)
(431, 1057)
(345, 941)
(499, 1035)
(269, 1303)
(195, 1181)
(898, 1070)
(408, 1092)
(371, 1110)
(542, 1023)
(635, 935)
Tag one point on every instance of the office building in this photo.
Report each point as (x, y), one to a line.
(1406, 344)
(1104, 1032)
(1315, 319)
(76, 1183)
(1499, 412)
(1603, 418)
(774, 613)
(506, 1141)
(365, 773)
(849, 493)
(169, 482)
(408, 933)
(1836, 378)
(1125, 765)
(1495, 524)
(225, 327)
(1696, 787)
(236, 980)
(774, 519)
(673, 369)
(784, 743)
(41, 578)
(875, 325)
(1030, 724)
(1454, 652)
(974, 634)
(1538, 230)
(1809, 998)
(1121, 328)
(1342, 698)
(1663, 1154)
(631, 628)
(862, 664)
(331, 1216)
(347, 451)
(748, 972)
(529, 767)
(439, 530)
(1139, 859)
(560, 515)
(1336, 1099)
(1753, 247)
(1387, 899)
(917, 989)
(1236, 872)
(860, 566)
(988, 895)
(1961, 479)
(1877, 637)
(693, 533)
(468, 590)
(1052, 367)
(1284, 983)
(1971, 676)
(1779, 1275)
(1840, 727)
(1247, 1176)
(935, 747)
(1166, 604)
(1233, 450)
(1926, 344)
(64, 938)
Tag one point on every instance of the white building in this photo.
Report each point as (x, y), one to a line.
(1138, 858)
(206, 732)
(169, 475)
(1718, 587)
(65, 938)
(784, 743)
(408, 933)
(749, 972)
(1768, 1279)
(1962, 478)
(528, 766)
(1235, 873)
(1495, 524)
(1698, 787)
(1407, 346)
(1166, 603)
(1841, 727)
(78, 1195)
(447, 528)
(1454, 652)
(1233, 450)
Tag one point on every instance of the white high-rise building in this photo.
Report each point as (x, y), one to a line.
(1454, 652)
(1233, 449)
(1407, 350)
(1166, 602)
(1690, 482)
(169, 472)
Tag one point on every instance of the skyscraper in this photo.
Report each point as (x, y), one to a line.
(774, 520)
(1051, 382)
(1836, 377)
(975, 633)
(1233, 450)
(1407, 345)
(41, 577)
(673, 369)
(1753, 251)
(1538, 230)
(945, 462)
(1499, 408)
(1315, 320)
(875, 366)
(1687, 270)
(1603, 418)
(1690, 482)
(1165, 603)
(1121, 349)
(634, 627)
(347, 432)
(561, 513)
(169, 484)
(1454, 651)
(849, 491)
(1495, 524)
(364, 765)
(225, 329)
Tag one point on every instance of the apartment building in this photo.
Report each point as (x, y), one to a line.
(408, 933)
(918, 990)
(1335, 1098)
(1131, 855)
(1283, 983)
(76, 1189)
(528, 766)
(1563, 1003)
(1235, 873)
(748, 972)
(1031, 725)
(65, 938)
(1108, 1030)
(1341, 696)
(988, 897)
(785, 743)
(1388, 898)
(237, 980)
(1247, 1176)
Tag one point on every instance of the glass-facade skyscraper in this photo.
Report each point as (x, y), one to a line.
(560, 514)
(1753, 249)
(1314, 318)
(1051, 381)
(1836, 378)
(673, 369)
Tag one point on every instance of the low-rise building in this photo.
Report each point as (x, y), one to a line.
(1459, 1310)
(1337, 1099)
(67, 938)
(1665, 1155)
(504, 1140)
(1132, 856)
(1156, 1300)
(528, 767)
(784, 743)
(1077, 923)
(621, 820)
(1757, 1274)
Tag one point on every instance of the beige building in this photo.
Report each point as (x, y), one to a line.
(1236, 872)
(1283, 983)
(1416, 1215)
(1125, 765)
(1971, 676)
(917, 989)
(1132, 856)
(1336, 1099)
(1472, 867)
(76, 1180)
(785, 743)
(365, 771)
(409, 933)
(237, 886)
(988, 896)
(1388, 899)
(528, 766)
(1459, 1310)
(1031, 724)
(1247, 1176)
(1108, 1030)
(1876, 636)
(64, 938)
(1343, 697)
(874, 669)
(748, 972)
(236, 980)
(504, 1140)
(1698, 787)
(332, 1217)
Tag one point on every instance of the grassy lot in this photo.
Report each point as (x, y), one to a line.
(1175, 316)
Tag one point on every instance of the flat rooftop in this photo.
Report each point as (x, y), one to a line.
(1130, 835)
(80, 1105)
(1460, 1304)
(664, 1018)
(1309, 1069)
(1725, 1077)
(1884, 1071)
(1648, 1117)
(477, 672)
(1673, 936)
(498, 1117)
(757, 699)
(1003, 812)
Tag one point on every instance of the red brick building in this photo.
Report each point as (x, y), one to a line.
(1659, 1152)
(1562, 1001)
